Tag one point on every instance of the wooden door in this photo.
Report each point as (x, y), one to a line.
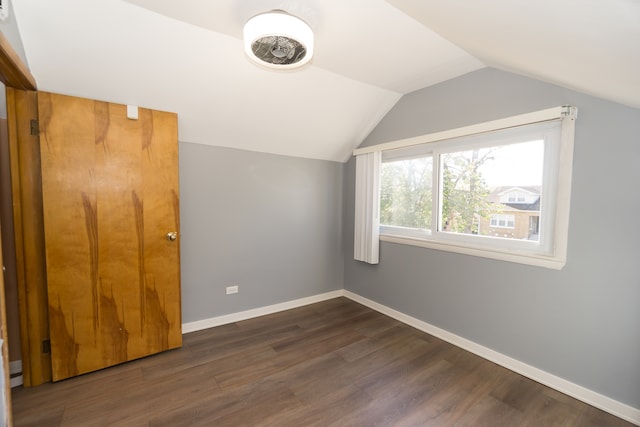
(110, 196)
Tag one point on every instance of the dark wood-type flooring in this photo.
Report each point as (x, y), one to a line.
(334, 363)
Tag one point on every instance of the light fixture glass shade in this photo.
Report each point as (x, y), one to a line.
(278, 40)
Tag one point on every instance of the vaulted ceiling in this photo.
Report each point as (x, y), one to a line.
(187, 57)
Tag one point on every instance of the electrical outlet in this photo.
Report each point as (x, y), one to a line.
(232, 290)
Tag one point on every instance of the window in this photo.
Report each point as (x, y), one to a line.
(406, 191)
(473, 178)
(516, 198)
(502, 221)
(496, 190)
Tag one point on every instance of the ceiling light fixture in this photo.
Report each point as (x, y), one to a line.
(278, 40)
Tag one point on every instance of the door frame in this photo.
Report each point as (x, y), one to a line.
(24, 154)
(26, 190)
(16, 76)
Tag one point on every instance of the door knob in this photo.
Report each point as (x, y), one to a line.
(171, 236)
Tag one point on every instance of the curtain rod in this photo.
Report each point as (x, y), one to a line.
(555, 113)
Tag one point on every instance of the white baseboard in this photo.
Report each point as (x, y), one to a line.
(619, 409)
(256, 312)
(15, 367)
(16, 381)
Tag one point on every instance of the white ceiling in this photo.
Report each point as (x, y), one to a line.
(187, 57)
(592, 46)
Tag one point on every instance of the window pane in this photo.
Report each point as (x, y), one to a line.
(405, 193)
(505, 221)
(493, 191)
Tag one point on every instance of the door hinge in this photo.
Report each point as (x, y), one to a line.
(46, 346)
(35, 127)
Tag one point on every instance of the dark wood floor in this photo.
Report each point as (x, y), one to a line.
(335, 363)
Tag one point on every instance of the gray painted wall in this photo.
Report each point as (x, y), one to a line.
(581, 323)
(267, 223)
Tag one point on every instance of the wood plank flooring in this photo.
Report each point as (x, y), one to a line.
(334, 363)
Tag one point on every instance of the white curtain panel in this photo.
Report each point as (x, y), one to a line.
(367, 218)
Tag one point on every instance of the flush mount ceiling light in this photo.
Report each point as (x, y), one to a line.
(278, 40)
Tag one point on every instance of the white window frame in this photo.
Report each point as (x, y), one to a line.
(550, 251)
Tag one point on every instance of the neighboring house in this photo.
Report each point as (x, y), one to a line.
(515, 213)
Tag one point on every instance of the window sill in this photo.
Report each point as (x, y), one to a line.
(551, 262)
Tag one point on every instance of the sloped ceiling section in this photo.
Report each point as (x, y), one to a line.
(187, 57)
(590, 46)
